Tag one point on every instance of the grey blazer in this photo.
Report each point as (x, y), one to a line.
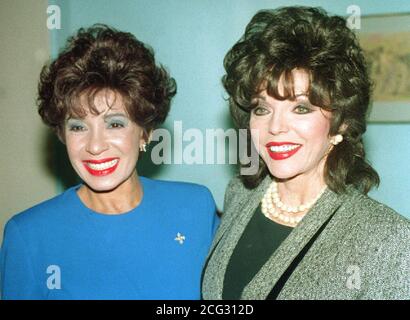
(363, 252)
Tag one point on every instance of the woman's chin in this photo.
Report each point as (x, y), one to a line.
(109, 182)
(101, 186)
(283, 174)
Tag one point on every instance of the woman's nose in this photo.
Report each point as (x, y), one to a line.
(97, 142)
(278, 124)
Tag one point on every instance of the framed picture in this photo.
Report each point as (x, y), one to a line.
(386, 42)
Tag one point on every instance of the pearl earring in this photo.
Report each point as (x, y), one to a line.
(337, 139)
(143, 147)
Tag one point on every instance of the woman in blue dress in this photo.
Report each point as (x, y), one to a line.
(117, 235)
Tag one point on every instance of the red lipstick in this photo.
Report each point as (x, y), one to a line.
(281, 155)
(103, 171)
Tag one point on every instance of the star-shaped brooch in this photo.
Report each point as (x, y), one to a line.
(180, 238)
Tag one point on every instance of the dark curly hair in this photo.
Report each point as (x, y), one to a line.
(99, 58)
(278, 41)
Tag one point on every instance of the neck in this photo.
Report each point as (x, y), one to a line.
(122, 199)
(301, 189)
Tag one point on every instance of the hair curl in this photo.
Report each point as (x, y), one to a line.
(99, 58)
(278, 41)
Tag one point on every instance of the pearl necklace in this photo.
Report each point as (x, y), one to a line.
(273, 208)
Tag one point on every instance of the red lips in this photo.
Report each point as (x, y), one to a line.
(282, 155)
(102, 172)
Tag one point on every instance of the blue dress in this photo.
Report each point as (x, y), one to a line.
(60, 249)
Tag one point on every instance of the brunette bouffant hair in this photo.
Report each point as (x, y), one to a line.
(99, 58)
(281, 40)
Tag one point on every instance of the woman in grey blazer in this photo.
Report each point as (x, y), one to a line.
(302, 226)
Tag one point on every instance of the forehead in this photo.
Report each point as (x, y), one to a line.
(103, 101)
(300, 82)
(96, 102)
(289, 85)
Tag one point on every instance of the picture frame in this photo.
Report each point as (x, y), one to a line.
(385, 40)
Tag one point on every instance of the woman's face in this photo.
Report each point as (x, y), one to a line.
(292, 136)
(104, 148)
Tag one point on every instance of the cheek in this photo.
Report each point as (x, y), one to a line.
(317, 135)
(128, 143)
(73, 146)
(259, 130)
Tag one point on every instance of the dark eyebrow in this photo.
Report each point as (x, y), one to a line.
(303, 95)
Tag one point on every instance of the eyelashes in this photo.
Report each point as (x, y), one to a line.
(116, 124)
(76, 125)
(302, 109)
(261, 110)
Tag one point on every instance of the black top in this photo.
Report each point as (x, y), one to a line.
(258, 242)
